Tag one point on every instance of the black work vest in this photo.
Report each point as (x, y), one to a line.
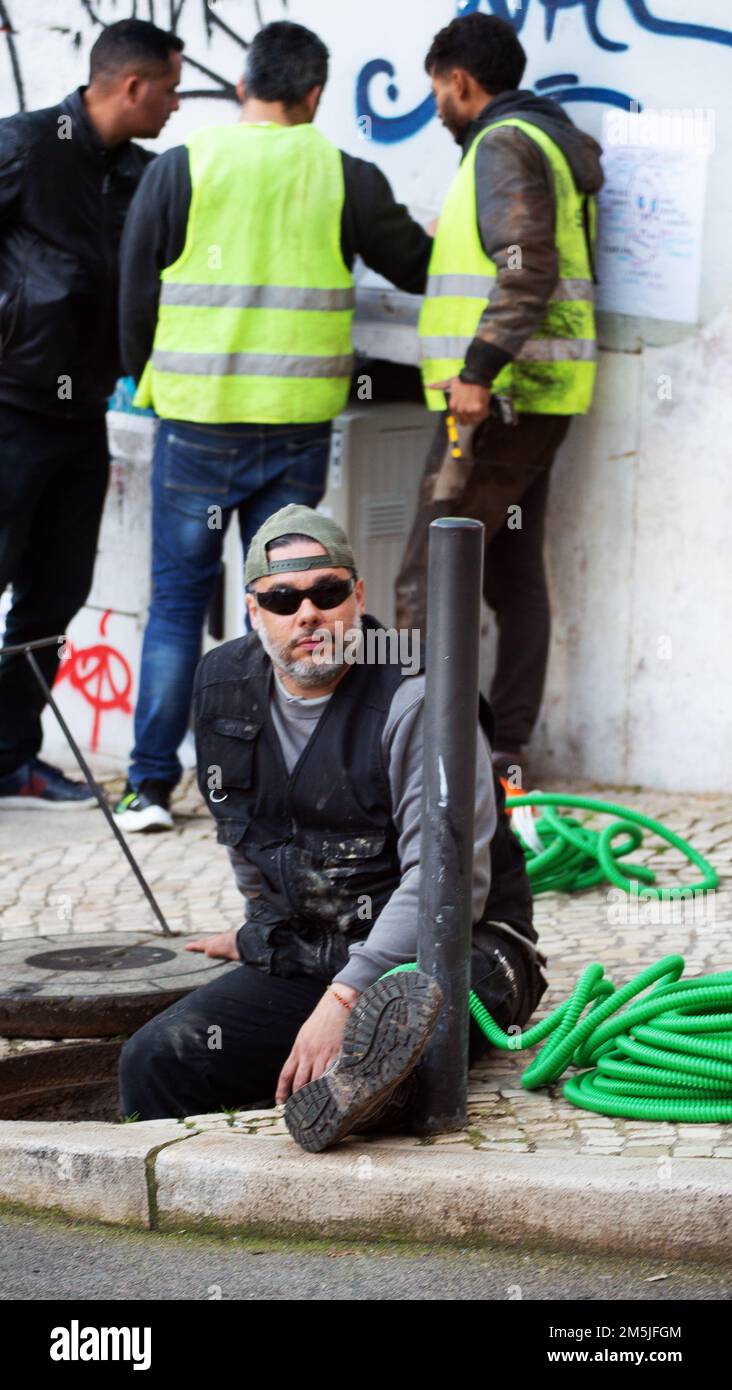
(322, 837)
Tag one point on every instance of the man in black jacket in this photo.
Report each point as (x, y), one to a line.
(67, 176)
(234, 241)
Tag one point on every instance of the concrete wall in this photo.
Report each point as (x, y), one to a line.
(637, 537)
(639, 558)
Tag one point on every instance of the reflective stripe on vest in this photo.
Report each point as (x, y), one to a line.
(254, 318)
(249, 364)
(256, 297)
(555, 369)
(482, 287)
(533, 350)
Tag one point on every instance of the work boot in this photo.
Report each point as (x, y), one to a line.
(395, 1114)
(385, 1036)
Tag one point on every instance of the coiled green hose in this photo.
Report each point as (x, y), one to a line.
(576, 857)
(667, 1056)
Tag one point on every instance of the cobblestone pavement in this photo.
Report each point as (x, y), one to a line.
(78, 881)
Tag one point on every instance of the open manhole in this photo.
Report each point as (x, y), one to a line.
(66, 1081)
(99, 988)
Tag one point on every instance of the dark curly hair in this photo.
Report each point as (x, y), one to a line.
(483, 44)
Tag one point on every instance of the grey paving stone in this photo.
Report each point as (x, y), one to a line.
(191, 876)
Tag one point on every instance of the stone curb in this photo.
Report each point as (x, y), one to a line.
(96, 1171)
(214, 1179)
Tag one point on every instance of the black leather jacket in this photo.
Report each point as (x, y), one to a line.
(63, 201)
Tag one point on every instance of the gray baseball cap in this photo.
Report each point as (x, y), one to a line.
(301, 521)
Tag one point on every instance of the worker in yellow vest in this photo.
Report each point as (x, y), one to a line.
(236, 303)
(508, 313)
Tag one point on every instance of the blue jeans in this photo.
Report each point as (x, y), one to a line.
(251, 469)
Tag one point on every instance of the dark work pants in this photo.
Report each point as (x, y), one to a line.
(53, 480)
(512, 464)
(226, 1043)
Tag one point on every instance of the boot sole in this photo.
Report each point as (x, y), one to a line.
(386, 1033)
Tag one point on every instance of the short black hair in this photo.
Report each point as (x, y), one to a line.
(131, 43)
(285, 62)
(292, 538)
(483, 44)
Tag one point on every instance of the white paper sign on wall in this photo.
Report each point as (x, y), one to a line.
(651, 218)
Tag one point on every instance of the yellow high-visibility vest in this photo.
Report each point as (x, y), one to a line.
(254, 322)
(554, 372)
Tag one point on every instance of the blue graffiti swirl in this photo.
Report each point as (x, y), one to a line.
(607, 96)
(386, 130)
(564, 87)
(676, 28)
(673, 28)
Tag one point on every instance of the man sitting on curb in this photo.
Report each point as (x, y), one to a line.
(313, 771)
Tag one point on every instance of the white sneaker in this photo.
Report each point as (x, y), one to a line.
(146, 808)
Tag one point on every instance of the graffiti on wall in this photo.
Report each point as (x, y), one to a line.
(196, 20)
(207, 33)
(563, 87)
(101, 675)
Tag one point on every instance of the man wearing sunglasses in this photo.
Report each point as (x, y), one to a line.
(312, 767)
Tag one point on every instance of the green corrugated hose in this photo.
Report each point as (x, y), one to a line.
(575, 857)
(666, 1056)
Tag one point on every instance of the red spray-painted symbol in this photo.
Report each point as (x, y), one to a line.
(102, 676)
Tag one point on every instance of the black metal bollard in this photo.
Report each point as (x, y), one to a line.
(454, 589)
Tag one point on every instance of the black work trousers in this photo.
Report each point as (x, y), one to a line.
(53, 480)
(225, 1044)
(507, 491)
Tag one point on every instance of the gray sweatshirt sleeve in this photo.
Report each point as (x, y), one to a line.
(393, 937)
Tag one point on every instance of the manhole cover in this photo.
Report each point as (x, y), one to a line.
(126, 957)
(98, 985)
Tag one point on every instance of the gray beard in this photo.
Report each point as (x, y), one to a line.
(306, 672)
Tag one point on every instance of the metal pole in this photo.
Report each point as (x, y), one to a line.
(454, 588)
(27, 649)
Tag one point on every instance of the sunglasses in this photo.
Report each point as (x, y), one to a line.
(329, 593)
